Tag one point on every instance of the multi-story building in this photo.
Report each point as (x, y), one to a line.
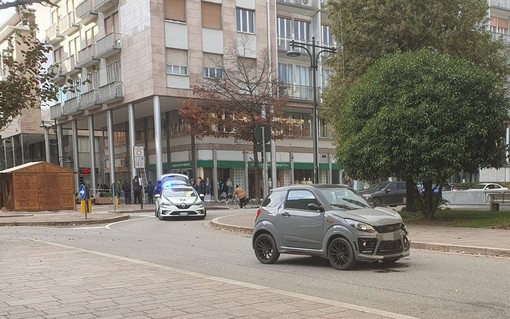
(23, 139)
(140, 59)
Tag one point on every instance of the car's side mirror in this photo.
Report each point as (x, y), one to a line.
(387, 190)
(157, 196)
(202, 196)
(314, 206)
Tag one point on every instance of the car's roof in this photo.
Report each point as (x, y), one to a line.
(309, 186)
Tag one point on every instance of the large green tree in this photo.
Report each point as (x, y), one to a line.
(423, 115)
(371, 29)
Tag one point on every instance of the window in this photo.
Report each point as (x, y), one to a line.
(212, 73)
(213, 65)
(245, 20)
(284, 33)
(111, 23)
(211, 15)
(285, 73)
(327, 36)
(326, 73)
(302, 30)
(113, 72)
(175, 10)
(176, 62)
(90, 36)
(303, 75)
(299, 199)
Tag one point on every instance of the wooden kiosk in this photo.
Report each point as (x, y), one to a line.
(37, 186)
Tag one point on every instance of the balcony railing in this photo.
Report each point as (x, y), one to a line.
(304, 3)
(85, 11)
(111, 92)
(70, 106)
(102, 5)
(67, 25)
(502, 36)
(88, 99)
(52, 35)
(108, 45)
(299, 92)
(500, 3)
(55, 111)
(86, 56)
(68, 66)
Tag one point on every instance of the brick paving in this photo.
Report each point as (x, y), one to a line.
(45, 280)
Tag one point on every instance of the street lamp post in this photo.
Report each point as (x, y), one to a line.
(314, 56)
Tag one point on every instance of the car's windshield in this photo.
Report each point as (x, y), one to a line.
(174, 179)
(179, 192)
(344, 198)
(378, 186)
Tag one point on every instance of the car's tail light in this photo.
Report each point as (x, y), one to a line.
(258, 213)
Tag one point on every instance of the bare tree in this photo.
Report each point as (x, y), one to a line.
(240, 95)
(23, 3)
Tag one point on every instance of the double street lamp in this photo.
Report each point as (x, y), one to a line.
(314, 56)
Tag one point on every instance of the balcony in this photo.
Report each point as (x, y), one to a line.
(297, 92)
(111, 92)
(52, 35)
(56, 111)
(103, 5)
(70, 106)
(85, 12)
(67, 25)
(88, 100)
(68, 66)
(501, 36)
(86, 57)
(304, 7)
(108, 45)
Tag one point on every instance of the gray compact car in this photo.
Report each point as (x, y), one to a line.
(332, 221)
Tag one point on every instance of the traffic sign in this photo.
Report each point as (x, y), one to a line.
(139, 154)
(262, 133)
(83, 192)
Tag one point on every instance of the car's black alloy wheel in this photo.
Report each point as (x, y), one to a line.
(340, 254)
(159, 215)
(265, 249)
(376, 201)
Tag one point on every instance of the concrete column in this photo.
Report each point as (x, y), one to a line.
(158, 137)
(76, 163)
(132, 142)
(111, 156)
(47, 144)
(60, 147)
(92, 154)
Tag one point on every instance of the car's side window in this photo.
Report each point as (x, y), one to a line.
(401, 186)
(391, 186)
(299, 199)
(274, 199)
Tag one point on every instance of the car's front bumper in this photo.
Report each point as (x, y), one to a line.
(381, 246)
(174, 211)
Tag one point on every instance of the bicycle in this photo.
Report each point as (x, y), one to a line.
(232, 201)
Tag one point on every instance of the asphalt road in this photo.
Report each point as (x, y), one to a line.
(425, 285)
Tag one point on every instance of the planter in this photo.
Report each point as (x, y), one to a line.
(104, 200)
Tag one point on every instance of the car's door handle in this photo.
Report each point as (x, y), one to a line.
(286, 214)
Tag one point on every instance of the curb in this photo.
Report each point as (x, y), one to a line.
(68, 223)
(471, 250)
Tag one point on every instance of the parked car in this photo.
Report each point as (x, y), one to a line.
(386, 193)
(179, 201)
(487, 187)
(331, 221)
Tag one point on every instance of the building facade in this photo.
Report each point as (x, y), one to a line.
(136, 61)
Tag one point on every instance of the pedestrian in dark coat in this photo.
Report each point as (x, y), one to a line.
(150, 192)
(126, 188)
(159, 187)
(137, 190)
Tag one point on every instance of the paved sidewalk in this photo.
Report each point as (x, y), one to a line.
(46, 280)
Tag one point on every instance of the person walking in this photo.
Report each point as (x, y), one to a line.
(201, 189)
(137, 190)
(230, 187)
(126, 188)
(150, 192)
(241, 195)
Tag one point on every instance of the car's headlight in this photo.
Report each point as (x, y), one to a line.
(404, 228)
(165, 204)
(360, 226)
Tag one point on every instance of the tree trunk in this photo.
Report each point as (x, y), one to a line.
(410, 195)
